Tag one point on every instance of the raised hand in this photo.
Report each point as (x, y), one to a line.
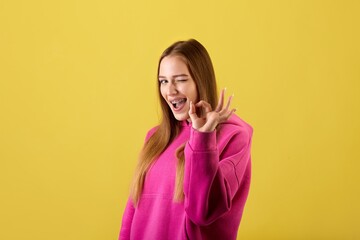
(211, 118)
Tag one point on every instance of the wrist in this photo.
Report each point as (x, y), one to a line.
(202, 141)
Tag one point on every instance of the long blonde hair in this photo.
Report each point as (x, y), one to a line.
(202, 72)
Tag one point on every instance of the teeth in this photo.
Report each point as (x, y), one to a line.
(177, 101)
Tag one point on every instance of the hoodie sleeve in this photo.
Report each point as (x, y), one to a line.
(126, 221)
(211, 180)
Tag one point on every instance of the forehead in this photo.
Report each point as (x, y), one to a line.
(173, 65)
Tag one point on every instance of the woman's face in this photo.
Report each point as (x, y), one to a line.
(176, 86)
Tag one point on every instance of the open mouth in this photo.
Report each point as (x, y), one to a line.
(179, 103)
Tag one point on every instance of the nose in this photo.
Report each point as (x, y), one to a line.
(171, 89)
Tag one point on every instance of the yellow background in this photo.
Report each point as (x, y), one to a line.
(78, 93)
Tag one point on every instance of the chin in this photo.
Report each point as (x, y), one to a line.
(181, 117)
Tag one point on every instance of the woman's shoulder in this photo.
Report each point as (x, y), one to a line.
(235, 126)
(150, 132)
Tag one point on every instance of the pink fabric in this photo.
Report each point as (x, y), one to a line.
(216, 186)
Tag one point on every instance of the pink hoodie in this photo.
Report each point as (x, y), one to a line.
(216, 186)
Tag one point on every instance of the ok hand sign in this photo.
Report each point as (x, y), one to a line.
(211, 118)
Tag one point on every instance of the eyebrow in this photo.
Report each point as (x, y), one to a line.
(177, 75)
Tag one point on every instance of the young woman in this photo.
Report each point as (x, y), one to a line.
(193, 174)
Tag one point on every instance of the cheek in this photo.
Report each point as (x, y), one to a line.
(194, 94)
(162, 92)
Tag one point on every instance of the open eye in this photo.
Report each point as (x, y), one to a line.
(163, 81)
